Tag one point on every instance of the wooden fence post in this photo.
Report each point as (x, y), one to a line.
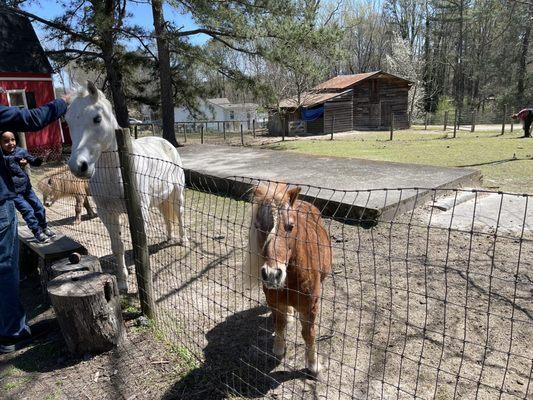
(153, 129)
(135, 130)
(185, 132)
(253, 127)
(391, 126)
(503, 118)
(332, 127)
(512, 123)
(455, 124)
(202, 133)
(426, 121)
(224, 129)
(473, 126)
(445, 120)
(141, 256)
(242, 136)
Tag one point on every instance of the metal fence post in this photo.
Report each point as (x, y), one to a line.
(253, 127)
(503, 118)
(135, 130)
(224, 129)
(202, 133)
(445, 120)
(242, 136)
(141, 256)
(391, 126)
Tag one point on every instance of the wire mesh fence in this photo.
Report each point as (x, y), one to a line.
(427, 303)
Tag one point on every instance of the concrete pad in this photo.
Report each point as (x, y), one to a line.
(508, 212)
(336, 185)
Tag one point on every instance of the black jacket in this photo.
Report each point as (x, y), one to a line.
(24, 120)
(21, 180)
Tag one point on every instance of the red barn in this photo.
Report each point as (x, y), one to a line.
(26, 79)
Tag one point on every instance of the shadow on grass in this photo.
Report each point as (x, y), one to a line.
(238, 361)
(495, 162)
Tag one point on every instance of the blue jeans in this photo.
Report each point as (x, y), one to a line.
(32, 210)
(12, 316)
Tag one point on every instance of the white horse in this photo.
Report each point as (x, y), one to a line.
(156, 164)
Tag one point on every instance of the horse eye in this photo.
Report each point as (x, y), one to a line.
(289, 227)
(97, 119)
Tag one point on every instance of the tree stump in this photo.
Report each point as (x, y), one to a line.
(87, 306)
(86, 263)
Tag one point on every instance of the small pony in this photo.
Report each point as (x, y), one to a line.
(62, 183)
(289, 250)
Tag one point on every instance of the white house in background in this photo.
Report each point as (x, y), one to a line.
(218, 109)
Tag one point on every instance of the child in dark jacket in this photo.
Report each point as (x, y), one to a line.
(26, 202)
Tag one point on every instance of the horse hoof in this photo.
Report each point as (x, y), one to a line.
(122, 287)
(313, 368)
(279, 348)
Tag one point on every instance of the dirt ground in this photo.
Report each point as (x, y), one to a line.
(411, 310)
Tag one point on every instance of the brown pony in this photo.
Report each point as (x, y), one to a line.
(62, 183)
(289, 251)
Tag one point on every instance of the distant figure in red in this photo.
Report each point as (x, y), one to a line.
(526, 116)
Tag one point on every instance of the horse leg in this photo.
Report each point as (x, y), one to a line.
(88, 207)
(78, 207)
(112, 224)
(179, 206)
(279, 313)
(168, 215)
(307, 319)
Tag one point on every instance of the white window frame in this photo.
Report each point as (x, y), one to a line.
(23, 91)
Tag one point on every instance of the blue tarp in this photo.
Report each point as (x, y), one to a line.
(310, 115)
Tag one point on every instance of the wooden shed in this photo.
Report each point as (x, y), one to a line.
(26, 79)
(346, 102)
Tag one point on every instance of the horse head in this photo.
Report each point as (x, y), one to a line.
(275, 222)
(92, 129)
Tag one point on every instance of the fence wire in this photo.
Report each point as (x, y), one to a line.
(423, 303)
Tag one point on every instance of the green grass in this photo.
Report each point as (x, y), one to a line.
(505, 161)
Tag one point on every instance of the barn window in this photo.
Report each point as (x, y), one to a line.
(16, 98)
(374, 91)
(232, 114)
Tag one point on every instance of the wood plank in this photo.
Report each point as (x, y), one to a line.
(58, 247)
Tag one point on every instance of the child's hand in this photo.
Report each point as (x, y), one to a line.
(23, 162)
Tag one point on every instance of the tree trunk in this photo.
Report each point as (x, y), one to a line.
(523, 62)
(165, 79)
(87, 306)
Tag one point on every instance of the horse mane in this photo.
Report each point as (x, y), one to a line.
(264, 193)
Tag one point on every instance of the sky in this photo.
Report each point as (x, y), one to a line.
(141, 15)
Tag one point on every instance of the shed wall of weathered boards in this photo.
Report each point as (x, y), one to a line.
(374, 99)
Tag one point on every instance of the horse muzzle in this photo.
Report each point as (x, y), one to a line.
(273, 278)
(81, 169)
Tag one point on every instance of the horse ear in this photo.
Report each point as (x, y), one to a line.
(293, 194)
(93, 90)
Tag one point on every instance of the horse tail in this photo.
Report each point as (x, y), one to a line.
(253, 261)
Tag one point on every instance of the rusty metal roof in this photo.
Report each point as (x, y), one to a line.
(345, 81)
(309, 99)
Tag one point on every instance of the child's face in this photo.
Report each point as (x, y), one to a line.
(8, 142)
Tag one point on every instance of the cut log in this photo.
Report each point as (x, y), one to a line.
(87, 306)
(86, 263)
